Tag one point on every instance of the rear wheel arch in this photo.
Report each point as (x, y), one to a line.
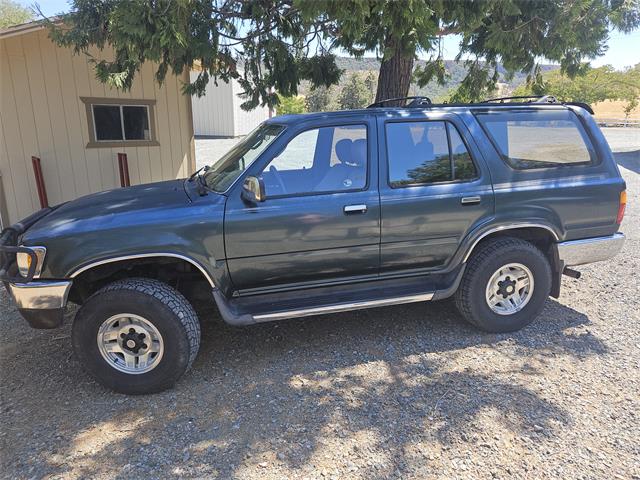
(544, 237)
(538, 234)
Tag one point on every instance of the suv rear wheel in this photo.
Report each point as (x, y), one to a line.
(505, 286)
(136, 336)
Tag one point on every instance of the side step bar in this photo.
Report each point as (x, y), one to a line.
(341, 307)
(266, 307)
(240, 319)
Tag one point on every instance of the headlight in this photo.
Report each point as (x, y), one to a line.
(24, 261)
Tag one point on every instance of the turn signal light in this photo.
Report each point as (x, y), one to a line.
(622, 206)
(24, 261)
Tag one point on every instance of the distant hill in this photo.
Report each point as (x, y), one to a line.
(456, 71)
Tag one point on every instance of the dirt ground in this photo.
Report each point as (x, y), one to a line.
(399, 392)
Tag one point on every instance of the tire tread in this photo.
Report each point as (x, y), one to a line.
(172, 299)
(485, 252)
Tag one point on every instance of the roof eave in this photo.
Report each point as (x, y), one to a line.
(27, 27)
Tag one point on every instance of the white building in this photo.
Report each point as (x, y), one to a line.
(218, 112)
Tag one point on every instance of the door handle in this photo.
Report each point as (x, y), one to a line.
(470, 200)
(351, 209)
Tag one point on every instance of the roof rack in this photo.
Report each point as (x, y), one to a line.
(530, 98)
(422, 102)
(415, 102)
(550, 99)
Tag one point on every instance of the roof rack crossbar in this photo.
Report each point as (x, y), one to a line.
(531, 98)
(415, 101)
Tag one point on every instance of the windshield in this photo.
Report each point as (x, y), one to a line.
(225, 171)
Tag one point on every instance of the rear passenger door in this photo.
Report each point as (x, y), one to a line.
(434, 188)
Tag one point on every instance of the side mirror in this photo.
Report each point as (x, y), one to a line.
(253, 190)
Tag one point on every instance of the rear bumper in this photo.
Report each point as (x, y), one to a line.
(590, 250)
(41, 303)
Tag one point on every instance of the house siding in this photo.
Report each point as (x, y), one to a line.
(245, 121)
(42, 114)
(217, 113)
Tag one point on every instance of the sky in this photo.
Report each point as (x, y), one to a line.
(623, 50)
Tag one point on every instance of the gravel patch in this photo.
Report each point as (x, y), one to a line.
(399, 392)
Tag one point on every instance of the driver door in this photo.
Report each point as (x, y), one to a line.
(320, 221)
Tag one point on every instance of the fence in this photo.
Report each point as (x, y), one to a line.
(618, 122)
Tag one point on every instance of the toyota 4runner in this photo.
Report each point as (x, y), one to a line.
(325, 212)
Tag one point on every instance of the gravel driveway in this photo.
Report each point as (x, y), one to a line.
(399, 392)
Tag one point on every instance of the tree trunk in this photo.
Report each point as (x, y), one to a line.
(395, 73)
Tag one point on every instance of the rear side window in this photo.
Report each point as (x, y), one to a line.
(421, 153)
(538, 139)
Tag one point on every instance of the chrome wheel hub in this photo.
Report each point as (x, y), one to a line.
(509, 289)
(130, 343)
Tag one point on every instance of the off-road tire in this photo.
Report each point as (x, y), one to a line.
(163, 306)
(488, 258)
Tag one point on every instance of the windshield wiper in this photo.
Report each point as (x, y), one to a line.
(202, 184)
(194, 174)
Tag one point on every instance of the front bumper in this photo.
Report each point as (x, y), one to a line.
(41, 303)
(590, 250)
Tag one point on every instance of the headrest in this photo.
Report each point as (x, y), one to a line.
(343, 150)
(359, 152)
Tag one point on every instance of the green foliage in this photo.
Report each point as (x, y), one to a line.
(595, 85)
(292, 104)
(321, 99)
(431, 70)
(273, 45)
(455, 73)
(269, 37)
(358, 91)
(516, 33)
(12, 13)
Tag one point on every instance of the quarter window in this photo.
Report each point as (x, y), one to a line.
(426, 152)
(320, 160)
(538, 139)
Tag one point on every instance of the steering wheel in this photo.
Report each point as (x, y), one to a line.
(276, 175)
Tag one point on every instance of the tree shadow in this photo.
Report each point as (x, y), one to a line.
(629, 160)
(379, 383)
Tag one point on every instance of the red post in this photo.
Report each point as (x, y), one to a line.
(123, 166)
(42, 191)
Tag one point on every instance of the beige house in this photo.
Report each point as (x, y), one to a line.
(52, 107)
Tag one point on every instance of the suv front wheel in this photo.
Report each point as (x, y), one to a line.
(136, 335)
(505, 285)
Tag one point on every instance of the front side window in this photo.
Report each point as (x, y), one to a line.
(422, 153)
(320, 160)
(538, 139)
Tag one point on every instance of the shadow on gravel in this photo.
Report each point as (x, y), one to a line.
(628, 160)
(377, 383)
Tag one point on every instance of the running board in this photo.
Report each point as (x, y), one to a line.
(232, 314)
(267, 307)
(341, 307)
